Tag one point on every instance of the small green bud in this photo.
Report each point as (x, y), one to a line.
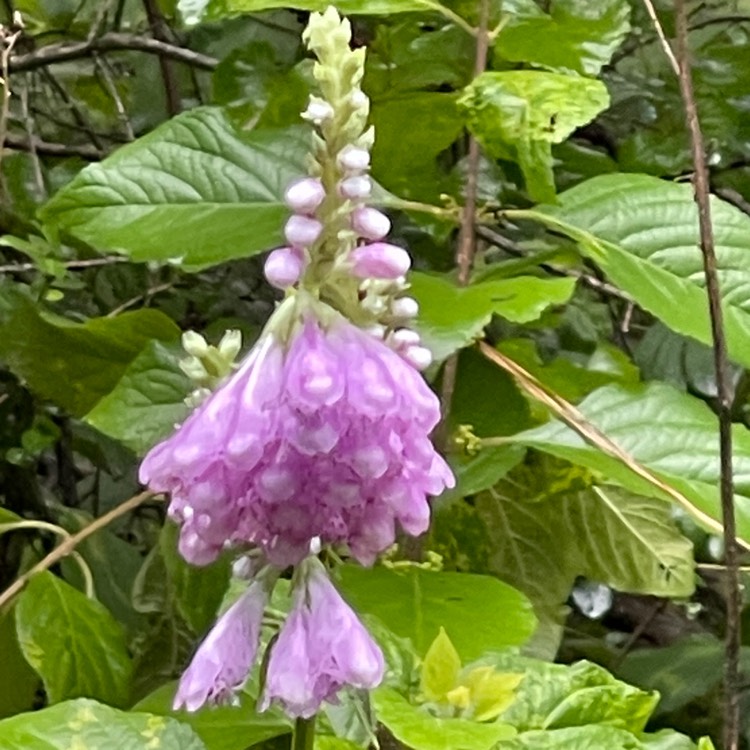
(230, 344)
(193, 343)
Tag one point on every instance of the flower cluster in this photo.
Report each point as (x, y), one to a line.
(321, 435)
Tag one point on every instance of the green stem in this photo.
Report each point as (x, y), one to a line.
(304, 734)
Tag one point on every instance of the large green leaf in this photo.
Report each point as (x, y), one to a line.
(594, 737)
(519, 114)
(20, 683)
(86, 725)
(73, 642)
(576, 35)
(75, 364)
(643, 233)
(195, 191)
(146, 402)
(479, 613)
(451, 317)
(420, 730)
(221, 727)
(671, 433)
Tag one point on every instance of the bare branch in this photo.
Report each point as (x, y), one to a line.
(724, 388)
(45, 148)
(160, 29)
(110, 42)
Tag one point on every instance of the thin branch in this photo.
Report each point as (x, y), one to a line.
(73, 265)
(662, 36)
(723, 387)
(168, 73)
(587, 279)
(111, 42)
(467, 237)
(7, 43)
(29, 125)
(45, 148)
(68, 545)
(591, 434)
(110, 86)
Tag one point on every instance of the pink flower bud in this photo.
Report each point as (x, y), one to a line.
(304, 196)
(284, 267)
(379, 260)
(353, 158)
(318, 111)
(403, 338)
(355, 187)
(405, 307)
(370, 223)
(418, 357)
(302, 230)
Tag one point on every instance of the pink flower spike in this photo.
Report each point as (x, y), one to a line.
(223, 661)
(353, 158)
(284, 266)
(302, 230)
(304, 196)
(356, 187)
(322, 648)
(379, 260)
(370, 223)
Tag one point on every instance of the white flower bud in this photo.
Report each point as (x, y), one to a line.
(359, 99)
(353, 158)
(418, 356)
(318, 111)
(356, 187)
(404, 338)
(230, 344)
(193, 343)
(405, 307)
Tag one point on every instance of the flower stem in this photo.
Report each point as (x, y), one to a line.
(304, 734)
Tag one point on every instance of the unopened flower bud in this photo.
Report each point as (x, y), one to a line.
(318, 111)
(193, 343)
(418, 356)
(304, 196)
(230, 344)
(284, 267)
(404, 338)
(194, 369)
(302, 230)
(379, 260)
(405, 307)
(356, 187)
(370, 223)
(377, 331)
(353, 158)
(358, 98)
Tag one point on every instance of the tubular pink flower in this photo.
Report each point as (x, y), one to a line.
(304, 196)
(327, 436)
(370, 223)
(302, 230)
(284, 266)
(379, 260)
(223, 661)
(322, 647)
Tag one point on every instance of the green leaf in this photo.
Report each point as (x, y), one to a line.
(553, 696)
(575, 36)
(673, 434)
(404, 159)
(581, 738)
(479, 613)
(195, 191)
(643, 233)
(440, 668)
(221, 727)
(419, 730)
(73, 642)
(451, 317)
(146, 402)
(86, 725)
(20, 683)
(517, 115)
(198, 590)
(75, 364)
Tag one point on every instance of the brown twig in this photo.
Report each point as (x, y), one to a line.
(68, 545)
(723, 387)
(662, 37)
(45, 148)
(7, 42)
(160, 30)
(109, 84)
(110, 42)
(72, 265)
(466, 236)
